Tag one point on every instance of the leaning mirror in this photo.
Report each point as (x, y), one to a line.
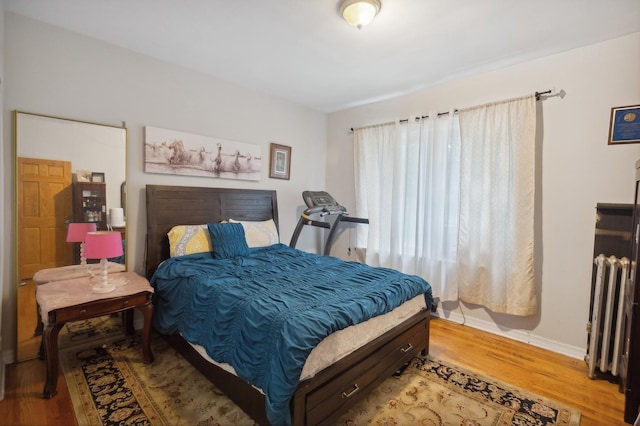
(67, 171)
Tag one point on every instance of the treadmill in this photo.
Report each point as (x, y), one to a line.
(322, 204)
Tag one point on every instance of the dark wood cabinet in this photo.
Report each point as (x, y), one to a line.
(630, 358)
(90, 203)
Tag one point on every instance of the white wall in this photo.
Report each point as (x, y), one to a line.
(56, 72)
(576, 167)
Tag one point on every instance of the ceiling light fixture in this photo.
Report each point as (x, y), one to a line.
(359, 13)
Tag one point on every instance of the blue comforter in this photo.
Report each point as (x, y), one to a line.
(264, 313)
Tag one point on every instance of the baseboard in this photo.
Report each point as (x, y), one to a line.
(518, 335)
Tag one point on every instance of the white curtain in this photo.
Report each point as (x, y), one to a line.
(407, 185)
(495, 244)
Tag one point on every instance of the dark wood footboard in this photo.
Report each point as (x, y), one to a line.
(324, 397)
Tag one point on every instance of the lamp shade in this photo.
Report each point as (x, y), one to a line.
(102, 245)
(77, 231)
(359, 13)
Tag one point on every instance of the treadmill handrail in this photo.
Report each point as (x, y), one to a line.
(324, 211)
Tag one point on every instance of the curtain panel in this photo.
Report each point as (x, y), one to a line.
(452, 199)
(497, 185)
(407, 184)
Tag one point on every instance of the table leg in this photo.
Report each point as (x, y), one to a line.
(127, 319)
(147, 313)
(50, 340)
(41, 350)
(39, 325)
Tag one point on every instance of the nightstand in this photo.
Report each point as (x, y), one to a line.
(74, 300)
(64, 273)
(73, 271)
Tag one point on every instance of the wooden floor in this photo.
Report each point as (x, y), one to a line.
(542, 372)
(545, 373)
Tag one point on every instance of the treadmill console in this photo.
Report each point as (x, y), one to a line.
(323, 203)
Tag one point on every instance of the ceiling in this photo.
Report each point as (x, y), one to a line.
(303, 51)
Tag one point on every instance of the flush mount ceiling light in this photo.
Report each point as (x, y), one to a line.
(359, 13)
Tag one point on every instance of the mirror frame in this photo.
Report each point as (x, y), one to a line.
(79, 129)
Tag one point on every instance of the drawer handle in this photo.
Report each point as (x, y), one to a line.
(125, 303)
(407, 348)
(82, 312)
(354, 390)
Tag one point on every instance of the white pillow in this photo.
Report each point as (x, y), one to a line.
(259, 234)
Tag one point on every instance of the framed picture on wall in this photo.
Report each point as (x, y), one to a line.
(180, 153)
(83, 175)
(280, 163)
(624, 126)
(97, 177)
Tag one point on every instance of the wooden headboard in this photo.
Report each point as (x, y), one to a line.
(168, 206)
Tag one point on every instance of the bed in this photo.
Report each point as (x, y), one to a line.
(327, 393)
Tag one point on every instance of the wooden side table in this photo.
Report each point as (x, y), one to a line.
(63, 273)
(73, 300)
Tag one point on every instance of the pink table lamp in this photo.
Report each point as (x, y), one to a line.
(76, 234)
(102, 245)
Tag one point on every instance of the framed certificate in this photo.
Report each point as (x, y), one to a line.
(624, 126)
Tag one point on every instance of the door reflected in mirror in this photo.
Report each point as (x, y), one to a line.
(67, 171)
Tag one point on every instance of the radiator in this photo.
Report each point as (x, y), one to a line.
(605, 325)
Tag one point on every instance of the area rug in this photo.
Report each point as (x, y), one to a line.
(110, 384)
(93, 330)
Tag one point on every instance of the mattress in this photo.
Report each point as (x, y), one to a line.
(343, 342)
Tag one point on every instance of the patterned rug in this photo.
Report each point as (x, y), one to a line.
(110, 384)
(94, 330)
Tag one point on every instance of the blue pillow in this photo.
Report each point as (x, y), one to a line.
(228, 240)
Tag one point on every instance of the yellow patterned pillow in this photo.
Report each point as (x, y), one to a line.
(189, 239)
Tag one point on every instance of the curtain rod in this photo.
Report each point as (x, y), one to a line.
(440, 114)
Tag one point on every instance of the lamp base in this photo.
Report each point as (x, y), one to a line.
(105, 285)
(109, 286)
(104, 289)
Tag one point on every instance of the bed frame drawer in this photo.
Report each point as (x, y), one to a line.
(343, 390)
